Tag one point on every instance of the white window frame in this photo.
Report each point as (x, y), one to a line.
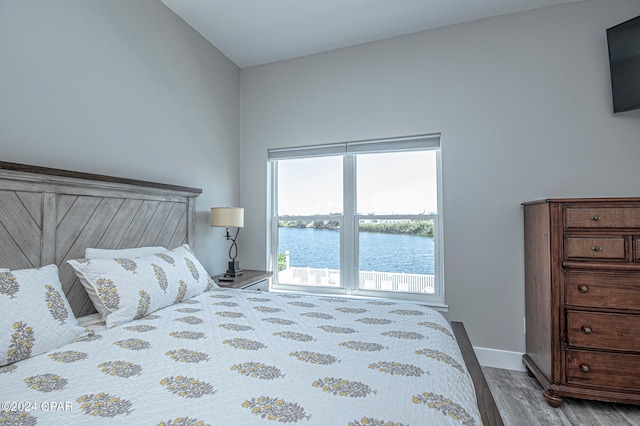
(349, 220)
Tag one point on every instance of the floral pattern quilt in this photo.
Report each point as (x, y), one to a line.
(238, 357)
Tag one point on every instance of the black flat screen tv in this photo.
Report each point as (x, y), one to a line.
(624, 62)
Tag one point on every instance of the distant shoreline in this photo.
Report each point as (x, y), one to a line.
(421, 228)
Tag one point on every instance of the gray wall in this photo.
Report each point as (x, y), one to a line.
(124, 88)
(524, 107)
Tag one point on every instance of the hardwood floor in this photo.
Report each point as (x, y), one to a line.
(519, 398)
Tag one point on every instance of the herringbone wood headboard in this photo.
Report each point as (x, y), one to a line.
(50, 216)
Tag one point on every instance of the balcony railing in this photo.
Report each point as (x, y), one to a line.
(369, 280)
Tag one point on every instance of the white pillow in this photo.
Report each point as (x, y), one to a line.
(130, 288)
(95, 253)
(4, 269)
(35, 314)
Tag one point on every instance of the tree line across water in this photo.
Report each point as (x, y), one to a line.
(422, 228)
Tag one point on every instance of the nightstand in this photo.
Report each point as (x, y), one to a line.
(253, 280)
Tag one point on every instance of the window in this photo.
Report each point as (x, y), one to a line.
(359, 218)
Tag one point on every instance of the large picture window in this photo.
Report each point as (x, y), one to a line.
(359, 218)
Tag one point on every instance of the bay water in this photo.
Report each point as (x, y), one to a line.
(320, 248)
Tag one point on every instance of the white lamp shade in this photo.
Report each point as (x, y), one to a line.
(227, 217)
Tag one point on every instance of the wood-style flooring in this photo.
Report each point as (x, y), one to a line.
(519, 399)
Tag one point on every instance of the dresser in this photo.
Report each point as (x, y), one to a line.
(582, 298)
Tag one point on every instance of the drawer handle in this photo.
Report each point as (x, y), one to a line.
(595, 218)
(586, 329)
(583, 288)
(596, 248)
(585, 368)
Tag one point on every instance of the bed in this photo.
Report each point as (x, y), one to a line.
(166, 346)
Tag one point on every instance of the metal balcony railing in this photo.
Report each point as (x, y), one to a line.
(369, 280)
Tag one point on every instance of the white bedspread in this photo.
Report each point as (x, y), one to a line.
(233, 357)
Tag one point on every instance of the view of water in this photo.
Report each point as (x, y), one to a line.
(318, 248)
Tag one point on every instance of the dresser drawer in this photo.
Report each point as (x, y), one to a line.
(595, 368)
(603, 330)
(594, 248)
(617, 290)
(602, 217)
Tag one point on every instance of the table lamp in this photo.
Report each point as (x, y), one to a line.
(229, 217)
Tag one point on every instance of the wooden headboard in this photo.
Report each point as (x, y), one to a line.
(50, 216)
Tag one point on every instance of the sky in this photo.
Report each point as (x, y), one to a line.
(388, 183)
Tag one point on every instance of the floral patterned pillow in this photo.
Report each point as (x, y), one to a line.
(131, 288)
(35, 315)
(94, 253)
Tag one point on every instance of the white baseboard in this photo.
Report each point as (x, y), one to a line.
(499, 359)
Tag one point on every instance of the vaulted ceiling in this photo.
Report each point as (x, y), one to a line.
(254, 32)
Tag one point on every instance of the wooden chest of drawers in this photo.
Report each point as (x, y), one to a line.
(582, 290)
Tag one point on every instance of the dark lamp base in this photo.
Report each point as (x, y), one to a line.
(234, 269)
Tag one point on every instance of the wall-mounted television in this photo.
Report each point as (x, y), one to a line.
(624, 63)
